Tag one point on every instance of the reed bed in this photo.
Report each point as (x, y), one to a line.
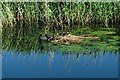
(59, 15)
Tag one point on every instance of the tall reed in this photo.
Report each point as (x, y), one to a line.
(59, 15)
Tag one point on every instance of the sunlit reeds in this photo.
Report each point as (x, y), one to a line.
(60, 15)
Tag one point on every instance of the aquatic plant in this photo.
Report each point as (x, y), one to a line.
(59, 15)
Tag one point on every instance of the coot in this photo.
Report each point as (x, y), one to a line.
(49, 36)
(41, 39)
(64, 33)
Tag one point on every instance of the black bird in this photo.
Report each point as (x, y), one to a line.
(49, 37)
(64, 33)
(41, 39)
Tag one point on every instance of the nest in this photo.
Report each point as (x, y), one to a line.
(68, 39)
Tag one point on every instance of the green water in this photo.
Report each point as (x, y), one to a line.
(28, 40)
(88, 59)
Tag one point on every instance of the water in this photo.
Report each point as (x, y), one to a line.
(24, 57)
(58, 65)
(0, 66)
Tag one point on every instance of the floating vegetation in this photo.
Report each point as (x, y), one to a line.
(30, 43)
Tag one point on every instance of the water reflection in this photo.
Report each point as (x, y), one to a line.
(0, 65)
(23, 56)
(27, 41)
(56, 64)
